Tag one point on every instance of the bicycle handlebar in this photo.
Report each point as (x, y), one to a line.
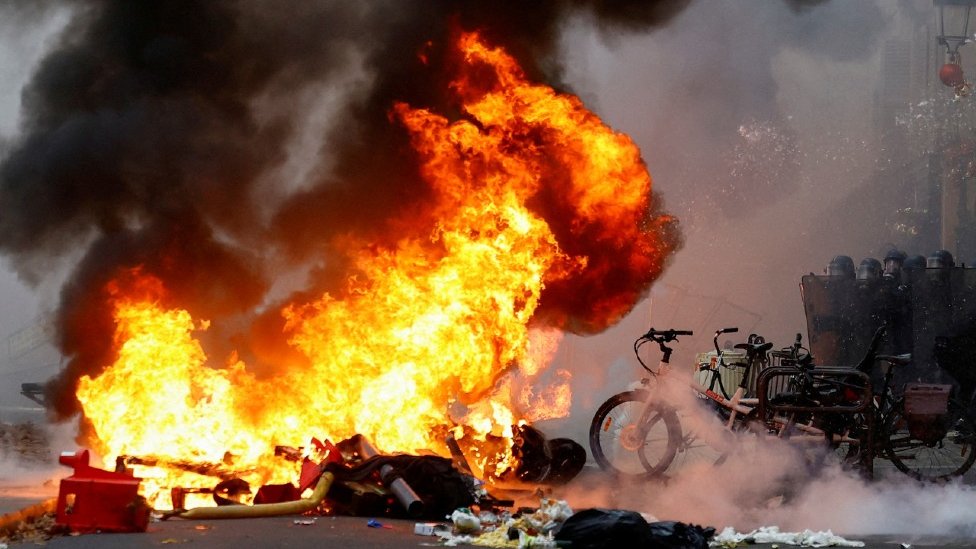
(718, 351)
(665, 335)
(662, 338)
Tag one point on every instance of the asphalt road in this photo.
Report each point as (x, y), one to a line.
(351, 532)
(344, 532)
(336, 531)
(300, 532)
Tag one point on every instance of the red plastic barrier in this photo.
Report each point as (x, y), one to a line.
(95, 500)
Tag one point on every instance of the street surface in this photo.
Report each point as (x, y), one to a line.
(345, 532)
(22, 486)
(336, 531)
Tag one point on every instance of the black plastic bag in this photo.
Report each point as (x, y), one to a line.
(680, 535)
(434, 479)
(614, 528)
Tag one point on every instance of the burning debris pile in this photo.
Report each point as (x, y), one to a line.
(352, 478)
(35, 524)
(536, 219)
(472, 216)
(445, 332)
(349, 478)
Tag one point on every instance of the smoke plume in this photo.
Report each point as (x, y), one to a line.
(155, 136)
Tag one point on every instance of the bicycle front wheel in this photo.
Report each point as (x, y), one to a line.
(634, 438)
(935, 450)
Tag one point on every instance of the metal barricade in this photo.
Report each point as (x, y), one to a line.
(777, 378)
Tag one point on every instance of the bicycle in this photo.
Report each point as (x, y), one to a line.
(633, 434)
(930, 438)
(828, 399)
(638, 433)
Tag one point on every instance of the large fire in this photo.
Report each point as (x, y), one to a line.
(434, 335)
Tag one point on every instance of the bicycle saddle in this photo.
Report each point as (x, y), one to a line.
(896, 360)
(753, 348)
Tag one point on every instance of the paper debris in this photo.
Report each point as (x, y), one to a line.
(771, 534)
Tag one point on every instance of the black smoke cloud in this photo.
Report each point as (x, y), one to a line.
(150, 128)
(371, 157)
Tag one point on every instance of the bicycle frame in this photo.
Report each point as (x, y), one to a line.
(865, 404)
(637, 433)
(738, 403)
(740, 406)
(872, 407)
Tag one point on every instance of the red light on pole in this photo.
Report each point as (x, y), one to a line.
(951, 75)
(953, 22)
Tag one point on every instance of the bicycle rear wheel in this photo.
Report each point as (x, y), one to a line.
(937, 452)
(633, 438)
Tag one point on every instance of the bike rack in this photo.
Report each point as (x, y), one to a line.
(830, 375)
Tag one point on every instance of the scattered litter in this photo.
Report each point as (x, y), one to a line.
(429, 528)
(202, 527)
(168, 541)
(530, 528)
(465, 522)
(373, 523)
(34, 524)
(771, 534)
(304, 522)
(903, 546)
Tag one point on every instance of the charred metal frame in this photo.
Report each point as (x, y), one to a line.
(33, 391)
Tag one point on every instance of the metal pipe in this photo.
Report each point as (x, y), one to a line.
(391, 478)
(263, 509)
(864, 406)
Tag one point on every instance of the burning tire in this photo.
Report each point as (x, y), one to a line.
(546, 461)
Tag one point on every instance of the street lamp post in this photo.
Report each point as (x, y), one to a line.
(955, 143)
(953, 23)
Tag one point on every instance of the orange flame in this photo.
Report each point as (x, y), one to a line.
(428, 335)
